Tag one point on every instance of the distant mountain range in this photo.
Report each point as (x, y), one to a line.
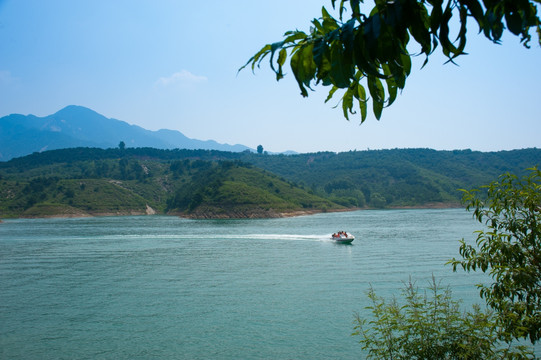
(77, 126)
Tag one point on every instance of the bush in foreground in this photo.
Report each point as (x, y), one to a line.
(430, 325)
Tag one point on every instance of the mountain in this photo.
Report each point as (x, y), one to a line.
(77, 126)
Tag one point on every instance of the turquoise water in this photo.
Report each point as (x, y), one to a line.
(159, 287)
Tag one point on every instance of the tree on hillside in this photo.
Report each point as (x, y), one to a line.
(260, 149)
(510, 250)
(374, 49)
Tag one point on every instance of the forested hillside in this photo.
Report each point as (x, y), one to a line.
(85, 182)
(399, 177)
(209, 183)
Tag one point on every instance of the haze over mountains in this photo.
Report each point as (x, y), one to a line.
(77, 126)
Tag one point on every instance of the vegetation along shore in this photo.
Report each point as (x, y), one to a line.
(205, 184)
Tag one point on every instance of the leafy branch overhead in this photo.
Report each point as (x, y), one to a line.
(373, 51)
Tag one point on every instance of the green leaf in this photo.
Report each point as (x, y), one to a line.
(281, 60)
(435, 16)
(355, 6)
(447, 46)
(371, 31)
(361, 96)
(395, 16)
(329, 23)
(494, 26)
(325, 14)
(400, 70)
(377, 108)
(419, 25)
(258, 57)
(318, 26)
(459, 50)
(391, 85)
(341, 70)
(362, 57)
(293, 36)
(347, 103)
(331, 93)
(405, 62)
(347, 37)
(376, 89)
(322, 60)
(303, 66)
(274, 47)
(514, 22)
(378, 95)
(476, 11)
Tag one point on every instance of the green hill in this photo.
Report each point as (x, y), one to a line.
(230, 189)
(398, 177)
(218, 184)
(113, 183)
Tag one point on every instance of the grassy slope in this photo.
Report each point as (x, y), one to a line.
(248, 192)
(65, 189)
(69, 197)
(97, 181)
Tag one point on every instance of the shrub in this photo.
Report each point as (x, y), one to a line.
(431, 326)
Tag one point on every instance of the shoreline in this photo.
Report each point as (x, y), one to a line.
(285, 214)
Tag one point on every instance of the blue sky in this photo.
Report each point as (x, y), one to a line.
(173, 64)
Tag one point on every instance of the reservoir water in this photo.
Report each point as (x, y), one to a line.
(158, 287)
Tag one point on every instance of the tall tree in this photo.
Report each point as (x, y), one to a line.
(510, 251)
(373, 49)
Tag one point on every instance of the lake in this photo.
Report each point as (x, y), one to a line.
(170, 288)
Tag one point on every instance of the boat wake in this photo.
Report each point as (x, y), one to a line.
(291, 237)
(202, 236)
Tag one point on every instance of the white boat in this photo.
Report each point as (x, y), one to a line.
(342, 237)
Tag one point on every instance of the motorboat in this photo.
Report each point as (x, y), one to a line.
(342, 237)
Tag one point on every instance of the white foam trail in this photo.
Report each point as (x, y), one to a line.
(259, 237)
(292, 237)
